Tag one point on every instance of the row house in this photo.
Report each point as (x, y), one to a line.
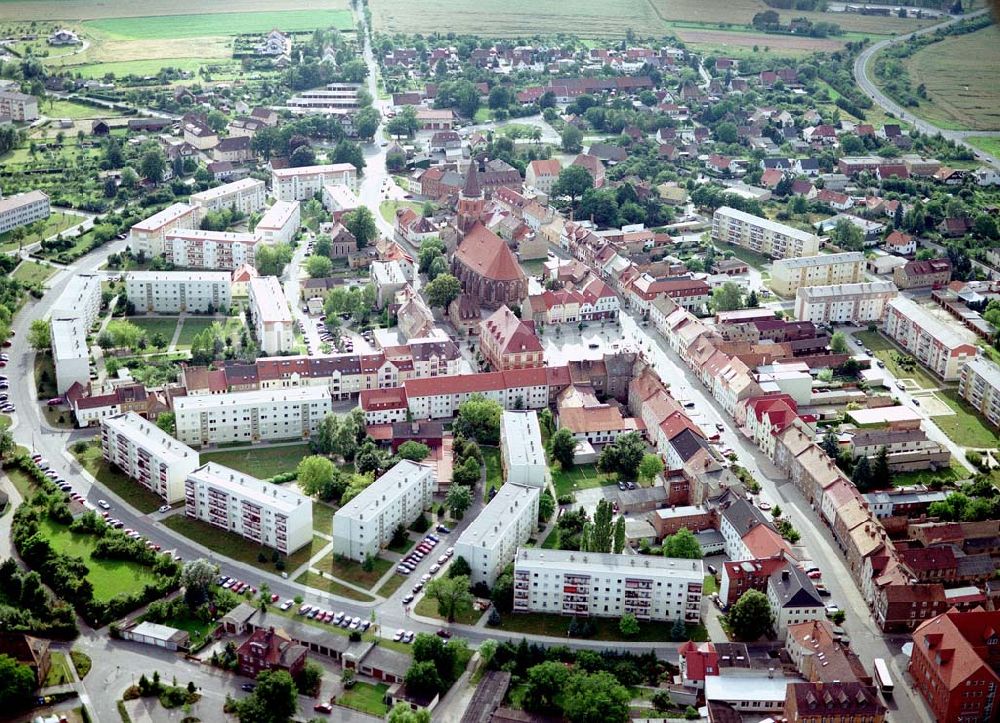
(768, 416)
(692, 294)
(440, 397)
(506, 342)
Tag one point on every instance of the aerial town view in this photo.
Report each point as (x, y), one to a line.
(473, 361)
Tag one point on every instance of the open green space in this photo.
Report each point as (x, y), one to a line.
(886, 351)
(239, 548)
(59, 672)
(990, 144)
(328, 584)
(322, 517)
(388, 209)
(580, 477)
(57, 108)
(24, 484)
(199, 630)
(128, 489)
(261, 461)
(925, 476)
(183, 26)
(109, 577)
(82, 663)
(429, 608)
(557, 626)
(31, 272)
(551, 541)
(194, 325)
(123, 68)
(966, 426)
(353, 572)
(709, 586)
(366, 698)
(57, 222)
(494, 471)
(758, 261)
(391, 585)
(156, 325)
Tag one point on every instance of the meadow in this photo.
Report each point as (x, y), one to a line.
(990, 144)
(219, 24)
(48, 10)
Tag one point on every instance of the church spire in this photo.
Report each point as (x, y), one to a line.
(471, 188)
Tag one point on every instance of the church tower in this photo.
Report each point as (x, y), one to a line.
(470, 200)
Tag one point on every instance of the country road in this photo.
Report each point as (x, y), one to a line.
(890, 106)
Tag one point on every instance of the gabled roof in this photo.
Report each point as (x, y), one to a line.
(793, 588)
(487, 254)
(510, 334)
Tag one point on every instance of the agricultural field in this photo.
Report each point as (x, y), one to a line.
(990, 144)
(780, 44)
(48, 10)
(960, 76)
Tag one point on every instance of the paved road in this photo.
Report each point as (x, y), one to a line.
(890, 106)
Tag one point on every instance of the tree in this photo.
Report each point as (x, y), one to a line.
(274, 700)
(403, 713)
(838, 343)
(546, 506)
(618, 536)
(750, 616)
(366, 123)
(862, 475)
(452, 594)
(727, 297)
(563, 448)
(572, 183)
(444, 289)
(596, 698)
(572, 139)
(458, 500)
(601, 537)
(682, 544)
(413, 451)
(752, 301)
(479, 419)
(361, 223)
(423, 679)
(776, 511)
(314, 474)
(881, 474)
(628, 625)
(623, 456)
(726, 132)
(196, 578)
(848, 236)
(319, 267)
(17, 683)
(153, 165)
(40, 335)
(678, 631)
(302, 156)
(460, 567)
(545, 683)
(650, 466)
(830, 444)
(271, 260)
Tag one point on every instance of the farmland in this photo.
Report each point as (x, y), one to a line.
(218, 24)
(781, 44)
(48, 10)
(990, 144)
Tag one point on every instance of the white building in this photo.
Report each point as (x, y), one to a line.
(250, 417)
(199, 249)
(789, 275)
(246, 196)
(149, 236)
(845, 303)
(440, 397)
(19, 107)
(793, 599)
(171, 292)
(388, 278)
(336, 98)
(279, 223)
(22, 209)
(942, 346)
(264, 513)
(505, 524)
(148, 455)
(762, 235)
(522, 451)
(339, 199)
(271, 318)
(979, 385)
(301, 184)
(607, 585)
(69, 351)
(81, 297)
(366, 524)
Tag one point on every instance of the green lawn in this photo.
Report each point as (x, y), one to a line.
(31, 272)
(990, 144)
(366, 698)
(109, 577)
(709, 585)
(966, 427)
(59, 672)
(388, 209)
(551, 541)
(758, 261)
(24, 484)
(429, 608)
(581, 477)
(198, 629)
(74, 111)
(391, 585)
(404, 548)
(606, 628)
(156, 325)
(262, 462)
(352, 571)
(187, 26)
(311, 579)
(195, 325)
(494, 473)
(82, 663)
(322, 517)
(232, 545)
(886, 351)
(128, 489)
(57, 222)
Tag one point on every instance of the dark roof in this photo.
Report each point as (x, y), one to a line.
(836, 700)
(489, 694)
(687, 444)
(794, 589)
(743, 516)
(471, 188)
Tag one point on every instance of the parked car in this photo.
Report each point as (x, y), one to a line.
(323, 708)
(442, 633)
(103, 504)
(399, 635)
(248, 687)
(443, 530)
(164, 508)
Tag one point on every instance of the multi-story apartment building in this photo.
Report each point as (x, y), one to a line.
(365, 525)
(440, 397)
(271, 318)
(301, 184)
(199, 249)
(522, 454)
(762, 235)
(264, 513)
(69, 351)
(19, 107)
(171, 292)
(505, 524)
(506, 342)
(607, 585)
(336, 98)
(22, 209)
(979, 385)
(939, 345)
(279, 223)
(250, 417)
(246, 196)
(845, 303)
(81, 297)
(149, 236)
(789, 275)
(148, 455)
(921, 274)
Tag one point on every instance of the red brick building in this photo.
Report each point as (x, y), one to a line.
(506, 342)
(270, 649)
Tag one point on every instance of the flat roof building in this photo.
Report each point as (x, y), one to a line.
(271, 318)
(148, 455)
(173, 292)
(304, 182)
(199, 249)
(762, 235)
(246, 196)
(845, 303)
(492, 539)
(522, 451)
(789, 275)
(149, 235)
(279, 223)
(941, 346)
(22, 209)
(979, 385)
(81, 297)
(69, 351)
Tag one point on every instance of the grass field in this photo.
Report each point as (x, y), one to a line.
(129, 490)
(429, 608)
(55, 223)
(886, 351)
(322, 517)
(216, 24)
(82, 663)
(74, 111)
(262, 462)
(391, 585)
(366, 698)
(388, 209)
(156, 325)
(59, 671)
(31, 272)
(195, 325)
(960, 75)
(581, 477)
(990, 144)
(92, 9)
(494, 473)
(966, 427)
(311, 579)
(109, 577)
(352, 571)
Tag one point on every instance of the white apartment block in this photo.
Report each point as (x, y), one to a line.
(148, 455)
(845, 303)
(301, 184)
(20, 107)
(263, 513)
(279, 223)
(366, 524)
(199, 249)
(171, 292)
(942, 346)
(271, 318)
(81, 297)
(22, 209)
(522, 451)
(336, 98)
(69, 351)
(762, 235)
(979, 385)
(789, 275)
(567, 582)
(505, 524)
(440, 397)
(250, 417)
(246, 196)
(149, 236)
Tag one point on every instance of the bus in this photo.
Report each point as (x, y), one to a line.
(882, 677)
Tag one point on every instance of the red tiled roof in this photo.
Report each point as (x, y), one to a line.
(389, 398)
(471, 383)
(549, 167)
(487, 254)
(510, 334)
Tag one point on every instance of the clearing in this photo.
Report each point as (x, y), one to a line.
(194, 325)
(262, 462)
(30, 272)
(959, 74)
(885, 350)
(990, 144)
(48, 10)
(965, 427)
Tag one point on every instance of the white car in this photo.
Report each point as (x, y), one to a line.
(103, 504)
(164, 508)
(287, 604)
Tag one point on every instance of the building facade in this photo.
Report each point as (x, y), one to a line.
(149, 236)
(199, 249)
(148, 455)
(845, 303)
(279, 224)
(762, 235)
(941, 346)
(246, 196)
(789, 275)
(70, 352)
(19, 107)
(173, 292)
(272, 320)
(505, 524)
(522, 454)
(301, 184)
(979, 385)
(22, 209)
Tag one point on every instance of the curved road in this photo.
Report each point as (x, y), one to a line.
(890, 106)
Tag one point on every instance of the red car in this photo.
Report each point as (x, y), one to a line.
(323, 708)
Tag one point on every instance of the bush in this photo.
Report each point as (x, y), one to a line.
(421, 524)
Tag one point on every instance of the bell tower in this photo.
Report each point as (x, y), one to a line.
(470, 200)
